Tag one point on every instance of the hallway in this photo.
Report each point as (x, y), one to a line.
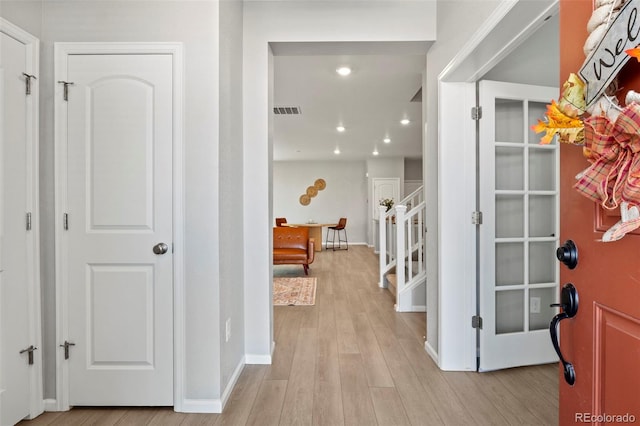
(352, 360)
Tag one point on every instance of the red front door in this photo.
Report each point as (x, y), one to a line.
(602, 341)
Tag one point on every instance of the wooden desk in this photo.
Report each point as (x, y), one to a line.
(315, 231)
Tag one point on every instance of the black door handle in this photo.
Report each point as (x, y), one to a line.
(569, 305)
(568, 254)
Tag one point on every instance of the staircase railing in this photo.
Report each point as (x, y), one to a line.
(401, 246)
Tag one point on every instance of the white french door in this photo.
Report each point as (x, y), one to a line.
(519, 234)
(116, 139)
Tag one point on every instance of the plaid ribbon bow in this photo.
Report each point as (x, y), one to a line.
(612, 148)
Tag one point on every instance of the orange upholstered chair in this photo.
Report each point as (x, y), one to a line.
(292, 246)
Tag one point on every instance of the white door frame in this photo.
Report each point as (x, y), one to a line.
(32, 45)
(511, 23)
(61, 51)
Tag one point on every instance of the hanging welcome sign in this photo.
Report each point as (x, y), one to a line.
(603, 64)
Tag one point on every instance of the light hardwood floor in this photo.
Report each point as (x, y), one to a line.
(352, 360)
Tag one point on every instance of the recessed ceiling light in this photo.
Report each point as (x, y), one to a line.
(375, 152)
(405, 121)
(336, 151)
(344, 71)
(386, 140)
(340, 129)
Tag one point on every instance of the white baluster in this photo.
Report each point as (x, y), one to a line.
(401, 299)
(382, 243)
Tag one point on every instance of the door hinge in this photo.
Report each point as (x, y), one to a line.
(27, 82)
(65, 221)
(476, 321)
(476, 113)
(28, 221)
(29, 352)
(66, 346)
(65, 90)
(476, 218)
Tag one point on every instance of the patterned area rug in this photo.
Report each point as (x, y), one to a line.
(294, 291)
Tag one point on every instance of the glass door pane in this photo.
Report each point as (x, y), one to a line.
(509, 120)
(510, 316)
(509, 163)
(542, 163)
(509, 216)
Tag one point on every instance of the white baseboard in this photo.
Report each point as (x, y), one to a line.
(201, 406)
(214, 405)
(257, 359)
(432, 353)
(232, 382)
(260, 359)
(190, 405)
(412, 308)
(50, 405)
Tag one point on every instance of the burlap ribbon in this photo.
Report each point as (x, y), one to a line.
(612, 149)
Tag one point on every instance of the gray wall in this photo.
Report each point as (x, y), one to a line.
(344, 196)
(231, 231)
(535, 61)
(25, 14)
(457, 22)
(413, 169)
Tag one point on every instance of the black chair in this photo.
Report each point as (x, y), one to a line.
(341, 226)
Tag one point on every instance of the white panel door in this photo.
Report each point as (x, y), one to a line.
(384, 188)
(519, 234)
(119, 237)
(18, 316)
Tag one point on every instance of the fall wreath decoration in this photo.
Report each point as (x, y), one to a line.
(608, 132)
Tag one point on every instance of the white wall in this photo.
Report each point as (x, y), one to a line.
(291, 21)
(196, 24)
(344, 196)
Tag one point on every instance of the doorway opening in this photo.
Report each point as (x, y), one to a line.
(346, 130)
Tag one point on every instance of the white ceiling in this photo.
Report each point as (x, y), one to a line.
(372, 100)
(369, 103)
